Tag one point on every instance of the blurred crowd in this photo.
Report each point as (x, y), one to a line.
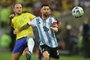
(76, 41)
(60, 7)
(6, 7)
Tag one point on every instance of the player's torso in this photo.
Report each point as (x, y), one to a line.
(45, 32)
(43, 25)
(20, 21)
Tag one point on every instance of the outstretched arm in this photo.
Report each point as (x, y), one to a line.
(31, 23)
(20, 29)
(24, 27)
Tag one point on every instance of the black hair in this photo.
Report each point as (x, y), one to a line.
(46, 5)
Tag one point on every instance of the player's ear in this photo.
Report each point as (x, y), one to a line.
(41, 10)
(14, 9)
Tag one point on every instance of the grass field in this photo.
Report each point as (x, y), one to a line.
(7, 56)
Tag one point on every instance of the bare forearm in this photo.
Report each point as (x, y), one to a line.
(24, 27)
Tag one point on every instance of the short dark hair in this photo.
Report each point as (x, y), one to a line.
(46, 5)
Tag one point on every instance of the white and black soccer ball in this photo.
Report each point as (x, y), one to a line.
(77, 11)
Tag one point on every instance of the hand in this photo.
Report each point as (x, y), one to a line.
(12, 15)
(54, 29)
(15, 31)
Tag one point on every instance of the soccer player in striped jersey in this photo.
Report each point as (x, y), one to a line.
(46, 25)
(24, 37)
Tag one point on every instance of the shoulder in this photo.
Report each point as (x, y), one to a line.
(14, 18)
(27, 13)
(53, 18)
(37, 18)
(30, 15)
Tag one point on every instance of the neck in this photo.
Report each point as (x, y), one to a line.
(17, 14)
(44, 17)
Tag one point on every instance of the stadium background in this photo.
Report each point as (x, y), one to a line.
(76, 38)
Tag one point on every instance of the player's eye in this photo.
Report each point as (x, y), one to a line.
(16, 7)
(47, 9)
(20, 7)
(44, 9)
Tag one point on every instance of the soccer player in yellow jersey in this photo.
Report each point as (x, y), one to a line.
(24, 37)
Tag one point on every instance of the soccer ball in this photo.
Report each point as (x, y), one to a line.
(77, 11)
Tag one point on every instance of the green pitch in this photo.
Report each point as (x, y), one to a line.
(7, 56)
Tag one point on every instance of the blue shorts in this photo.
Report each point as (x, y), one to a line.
(20, 45)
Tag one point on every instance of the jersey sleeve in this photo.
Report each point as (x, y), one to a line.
(32, 22)
(54, 22)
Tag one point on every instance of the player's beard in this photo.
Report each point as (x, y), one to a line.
(46, 15)
(19, 12)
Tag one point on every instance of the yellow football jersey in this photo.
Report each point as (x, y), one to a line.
(21, 20)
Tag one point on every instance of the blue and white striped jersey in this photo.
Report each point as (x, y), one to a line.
(47, 36)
